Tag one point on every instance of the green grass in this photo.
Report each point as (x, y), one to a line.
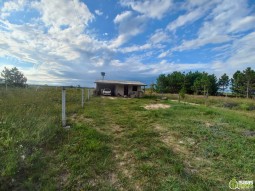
(116, 144)
(241, 104)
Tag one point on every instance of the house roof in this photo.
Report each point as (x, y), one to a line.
(120, 82)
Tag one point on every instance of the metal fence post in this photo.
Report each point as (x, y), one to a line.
(82, 97)
(63, 107)
(88, 93)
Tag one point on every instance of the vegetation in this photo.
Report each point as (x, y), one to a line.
(13, 77)
(223, 82)
(202, 83)
(243, 83)
(122, 146)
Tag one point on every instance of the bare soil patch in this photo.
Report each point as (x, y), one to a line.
(185, 102)
(249, 133)
(108, 97)
(156, 106)
(207, 124)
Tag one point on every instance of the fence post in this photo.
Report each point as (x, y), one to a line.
(88, 93)
(5, 84)
(82, 97)
(63, 107)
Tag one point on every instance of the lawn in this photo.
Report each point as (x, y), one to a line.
(117, 144)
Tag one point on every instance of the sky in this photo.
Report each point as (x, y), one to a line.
(70, 42)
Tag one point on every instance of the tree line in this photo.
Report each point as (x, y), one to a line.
(241, 84)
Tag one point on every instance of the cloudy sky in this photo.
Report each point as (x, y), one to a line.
(71, 41)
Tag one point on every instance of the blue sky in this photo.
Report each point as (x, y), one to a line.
(70, 42)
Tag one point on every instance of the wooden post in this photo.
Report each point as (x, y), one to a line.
(63, 107)
(88, 94)
(82, 97)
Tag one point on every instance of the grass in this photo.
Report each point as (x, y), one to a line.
(116, 144)
(240, 104)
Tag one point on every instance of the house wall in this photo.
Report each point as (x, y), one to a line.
(130, 88)
(119, 89)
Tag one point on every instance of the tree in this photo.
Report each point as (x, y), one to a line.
(103, 75)
(213, 85)
(237, 83)
(161, 84)
(223, 82)
(196, 88)
(205, 82)
(152, 88)
(13, 77)
(243, 83)
(190, 79)
(175, 82)
(249, 76)
(182, 93)
(202, 84)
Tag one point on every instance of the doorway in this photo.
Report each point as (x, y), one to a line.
(126, 90)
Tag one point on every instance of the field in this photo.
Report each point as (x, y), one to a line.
(117, 144)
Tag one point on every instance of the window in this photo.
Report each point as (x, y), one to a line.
(134, 88)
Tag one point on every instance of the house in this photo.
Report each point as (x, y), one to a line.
(121, 88)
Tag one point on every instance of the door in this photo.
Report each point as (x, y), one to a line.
(125, 89)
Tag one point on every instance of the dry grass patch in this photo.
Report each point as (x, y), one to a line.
(208, 124)
(80, 119)
(185, 102)
(156, 106)
(108, 97)
(194, 164)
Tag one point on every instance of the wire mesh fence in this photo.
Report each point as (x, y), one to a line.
(30, 118)
(18, 102)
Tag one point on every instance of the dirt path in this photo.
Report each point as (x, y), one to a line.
(124, 160)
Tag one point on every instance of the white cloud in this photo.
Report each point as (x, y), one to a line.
(64, 49)
(165, 54)
(155, 9)
(129, 25)
(57, 13)
(159, 36)
(123, 17)
(185, 19)
(226, 19)
(135, 48)
(243, 51)
(10, 6)
(116, 63)
(194, 10)
(98, 12)
(241, 55)
(199, 42)
(243, 24)
(58, 55)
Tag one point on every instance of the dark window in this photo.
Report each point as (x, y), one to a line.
(134, 88)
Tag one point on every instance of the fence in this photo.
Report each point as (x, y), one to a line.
(55, 102)
(64, 103)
